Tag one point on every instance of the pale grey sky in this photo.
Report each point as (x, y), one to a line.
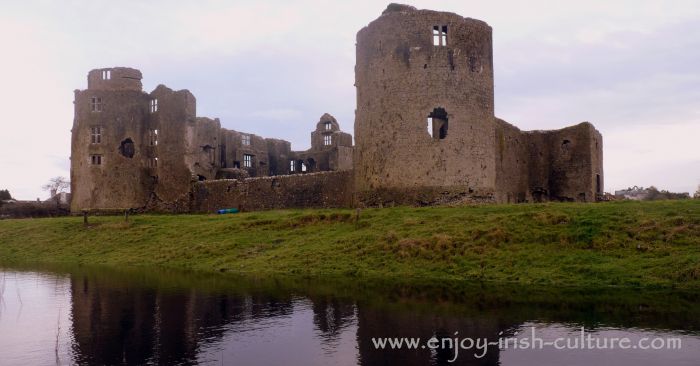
(632, 68)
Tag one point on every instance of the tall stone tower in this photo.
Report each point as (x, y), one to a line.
(107, 161)
(131, 148)
(425, 106)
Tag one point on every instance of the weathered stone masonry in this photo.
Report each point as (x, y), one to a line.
(132, 149)
(323, 189)
(425, 129)
(425, 133)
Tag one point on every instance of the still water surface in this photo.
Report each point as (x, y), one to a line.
(100, 316)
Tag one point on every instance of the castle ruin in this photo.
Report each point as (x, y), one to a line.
(425, 133)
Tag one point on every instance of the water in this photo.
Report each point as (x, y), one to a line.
(101, 316)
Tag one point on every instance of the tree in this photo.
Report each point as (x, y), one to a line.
(653, 194)
(55, 186)
(5, 195)
(697, 193)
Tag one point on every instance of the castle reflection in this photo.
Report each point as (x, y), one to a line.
(170, 319)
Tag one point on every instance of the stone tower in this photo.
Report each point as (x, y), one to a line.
(111, 120)
(425, 106)
(136, 150)
(130, 148)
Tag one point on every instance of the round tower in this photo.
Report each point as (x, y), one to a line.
(115, 78)
(425, 110)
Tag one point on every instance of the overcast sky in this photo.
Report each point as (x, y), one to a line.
(272, 68)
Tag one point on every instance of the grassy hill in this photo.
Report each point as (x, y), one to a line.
(606, 244)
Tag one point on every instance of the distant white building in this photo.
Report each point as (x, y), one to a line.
(635, 193)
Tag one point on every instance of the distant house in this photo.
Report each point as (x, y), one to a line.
(634, 193)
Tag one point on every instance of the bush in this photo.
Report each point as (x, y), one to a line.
(654, 194)
(18, 210)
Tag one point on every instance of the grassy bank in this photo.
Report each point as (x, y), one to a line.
(617, 243)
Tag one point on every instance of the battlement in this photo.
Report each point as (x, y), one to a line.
(115, 78)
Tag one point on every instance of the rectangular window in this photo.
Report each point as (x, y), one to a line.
(440, 35)
(96, 104)
(154, 105)
(96, 135)
(327, 140)
(106, 74)
(96, 159)
(245, 140)
(328, 126)
(292, 166)
(153, 137)
(247, 160)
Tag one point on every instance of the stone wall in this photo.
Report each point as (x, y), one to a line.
(176, 122)
(324, 189)
(512, 164)
(421, 196)
(279, 152)
(557, 165)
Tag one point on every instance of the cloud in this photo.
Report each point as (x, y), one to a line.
(272, 68)
(280, 115)
(662, 155)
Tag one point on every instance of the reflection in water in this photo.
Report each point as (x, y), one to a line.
(127, 317)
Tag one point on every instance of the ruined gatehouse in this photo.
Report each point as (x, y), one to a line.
(425, 133)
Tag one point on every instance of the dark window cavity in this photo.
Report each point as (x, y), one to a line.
(437, 124)
(127, 149)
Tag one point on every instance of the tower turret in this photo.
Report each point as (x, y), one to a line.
(115, 78)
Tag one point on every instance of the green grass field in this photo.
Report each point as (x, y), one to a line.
(654, 244)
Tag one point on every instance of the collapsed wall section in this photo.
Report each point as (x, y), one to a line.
(557, 165)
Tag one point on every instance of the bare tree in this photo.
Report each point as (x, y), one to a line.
(56, 186)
